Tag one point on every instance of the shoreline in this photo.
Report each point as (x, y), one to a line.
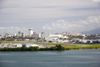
(43, 49)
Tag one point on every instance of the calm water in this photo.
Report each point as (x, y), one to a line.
(72, 58)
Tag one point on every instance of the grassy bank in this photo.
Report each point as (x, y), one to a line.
(55, 48)
(82, 47)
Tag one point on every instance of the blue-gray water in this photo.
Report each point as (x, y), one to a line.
(72, 58)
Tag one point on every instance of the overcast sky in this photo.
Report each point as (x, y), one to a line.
(49, 15)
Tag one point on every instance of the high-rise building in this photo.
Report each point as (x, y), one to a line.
(30, 32)
(23, 34)
(19, 34)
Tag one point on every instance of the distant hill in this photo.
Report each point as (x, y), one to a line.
(94, 31)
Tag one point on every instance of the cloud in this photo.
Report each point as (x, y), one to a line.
(28, 13)
(40, 13)
(47, 27)
(12, 11)
(12, 29)
(96, 0)
(87, 24)
(47, 3)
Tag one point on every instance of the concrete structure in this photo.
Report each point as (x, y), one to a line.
(30, 32)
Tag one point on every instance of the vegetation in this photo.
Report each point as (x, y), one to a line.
(57, 47)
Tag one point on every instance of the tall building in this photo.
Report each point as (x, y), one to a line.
(19, 34)
(23, 34)
(30, 32)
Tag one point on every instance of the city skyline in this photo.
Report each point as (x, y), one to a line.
(49, 16)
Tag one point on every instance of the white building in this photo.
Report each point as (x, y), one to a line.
(55, 38)
(30, 45)
(88, 41)
(17, 45)
(35, 35)
(30, 32)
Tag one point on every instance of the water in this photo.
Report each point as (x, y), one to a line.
(71, 58)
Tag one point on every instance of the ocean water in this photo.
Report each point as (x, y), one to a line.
(71, 58)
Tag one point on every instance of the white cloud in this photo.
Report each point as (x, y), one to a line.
(96, 0)
(89, 23)
(44, 11)
(12, 29)
(47, 27)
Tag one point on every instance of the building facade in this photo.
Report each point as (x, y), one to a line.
(30, 32)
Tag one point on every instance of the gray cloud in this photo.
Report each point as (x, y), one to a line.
(45, 9)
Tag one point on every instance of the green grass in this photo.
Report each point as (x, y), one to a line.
(82, 47)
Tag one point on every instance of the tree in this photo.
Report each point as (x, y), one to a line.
(23, 48)
(52, 48)
(59, 47)
(31, 48)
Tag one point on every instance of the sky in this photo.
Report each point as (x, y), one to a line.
(49, 16)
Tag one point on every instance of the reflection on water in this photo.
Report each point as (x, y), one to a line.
(72, 58)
